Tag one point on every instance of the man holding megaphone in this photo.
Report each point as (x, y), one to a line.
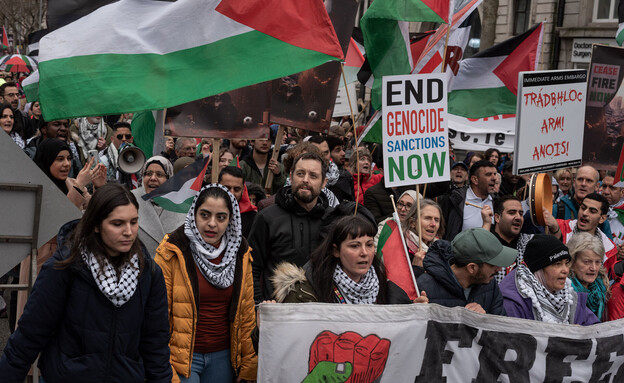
(122, 159)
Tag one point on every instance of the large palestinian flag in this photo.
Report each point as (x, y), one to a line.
(178, 192)
(158, 54)
(487, 83)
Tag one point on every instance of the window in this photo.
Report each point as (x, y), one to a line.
(523, 12)
(605, 10)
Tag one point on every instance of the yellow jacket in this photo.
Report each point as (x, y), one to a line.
(174, 257)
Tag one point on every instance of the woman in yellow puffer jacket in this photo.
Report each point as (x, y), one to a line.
(207, 267)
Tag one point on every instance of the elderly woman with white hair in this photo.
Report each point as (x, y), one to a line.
(154, 220)
(587, 272)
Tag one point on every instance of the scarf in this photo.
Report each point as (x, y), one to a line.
(364, 292)
(412, 242)
(17, 139)
(596, 295)
(333, 173)
(219, 275)
(117, 288)
(547, 307)
(89, 134)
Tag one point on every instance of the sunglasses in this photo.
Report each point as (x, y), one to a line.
(121, 136)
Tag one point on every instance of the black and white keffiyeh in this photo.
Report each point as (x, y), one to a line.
(547, 307)
(219, 275)
(364, 292)
(333, 173)
(117, 288)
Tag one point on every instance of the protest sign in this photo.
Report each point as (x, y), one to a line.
(604, 113)
(415, 134)
(342, 107)
(549, 123)
(482, 133)
(427, 343)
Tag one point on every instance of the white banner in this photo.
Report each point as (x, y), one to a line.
(430, 343)
(415, 129)
(341, 108)
(550, 122)
(483, 133)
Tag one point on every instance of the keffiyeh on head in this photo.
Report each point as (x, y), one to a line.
(220, 275)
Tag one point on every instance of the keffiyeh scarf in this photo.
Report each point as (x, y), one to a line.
(596, 295)
(364, 292)
(117, 288)
(220, 275)
(547, 307)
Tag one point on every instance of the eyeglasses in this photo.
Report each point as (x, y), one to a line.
(158, 174)
(403, 205)
(121, 136)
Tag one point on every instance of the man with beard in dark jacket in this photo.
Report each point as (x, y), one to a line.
(462, 273)
(289, 229)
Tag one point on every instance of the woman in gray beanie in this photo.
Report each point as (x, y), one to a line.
(539, 288)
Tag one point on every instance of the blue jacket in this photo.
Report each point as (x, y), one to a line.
(518, 306)
(82, 336)
(443, 288)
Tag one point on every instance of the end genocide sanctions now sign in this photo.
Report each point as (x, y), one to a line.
(415, 129)
(550, 120)
(428, 343)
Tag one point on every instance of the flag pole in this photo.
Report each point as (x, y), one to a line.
(216, 144)
(278, 142)
(418, 214)
(395, 216)
(357, 153)
(448, 33)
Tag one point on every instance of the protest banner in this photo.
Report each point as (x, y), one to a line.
(604, 112)
(427, 343)
(415, 134)
(482, 133)
(549, 123)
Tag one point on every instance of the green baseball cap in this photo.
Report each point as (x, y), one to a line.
(480, 246)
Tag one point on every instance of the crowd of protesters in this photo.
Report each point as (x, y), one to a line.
(133, 292)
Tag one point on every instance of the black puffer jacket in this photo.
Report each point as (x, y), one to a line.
(284, 232)
(443, 288)
(82, 336)
(452, 205)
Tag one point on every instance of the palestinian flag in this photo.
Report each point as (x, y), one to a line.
(148, 62)
(619, 36)
(146, 137)
(487, 83)
(178, 192)
(5, 39)
(353, 62)
(391, 247)
(385, 26)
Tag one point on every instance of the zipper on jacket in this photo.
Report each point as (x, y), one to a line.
(111, 342)
(301, 233)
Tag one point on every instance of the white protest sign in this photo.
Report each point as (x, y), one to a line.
(415, 129)
(550, 120)
(423, 343)
(482, 133)
(342, 108)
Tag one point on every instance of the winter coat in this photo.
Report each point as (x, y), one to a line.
(362, 182)
(443, 288)
(176, 260)
(82, 336)
(252, 173)
(343, 188)
(519, 307)
(284, 232)
(452, 206)
(377, 201)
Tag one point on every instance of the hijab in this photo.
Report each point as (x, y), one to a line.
(45, 156)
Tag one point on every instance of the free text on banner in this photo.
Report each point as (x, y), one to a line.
(549, 124)
(415, 129)
(428, 344)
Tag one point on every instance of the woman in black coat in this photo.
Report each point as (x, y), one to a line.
(98, 310)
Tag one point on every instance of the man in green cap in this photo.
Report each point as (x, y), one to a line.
(461, 273)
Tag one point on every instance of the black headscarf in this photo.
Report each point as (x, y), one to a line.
(47, 151)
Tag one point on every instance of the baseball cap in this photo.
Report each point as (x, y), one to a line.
(480, 246)
(460, 164)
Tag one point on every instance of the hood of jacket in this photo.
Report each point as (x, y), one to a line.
(436, 263)
(286, 200)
